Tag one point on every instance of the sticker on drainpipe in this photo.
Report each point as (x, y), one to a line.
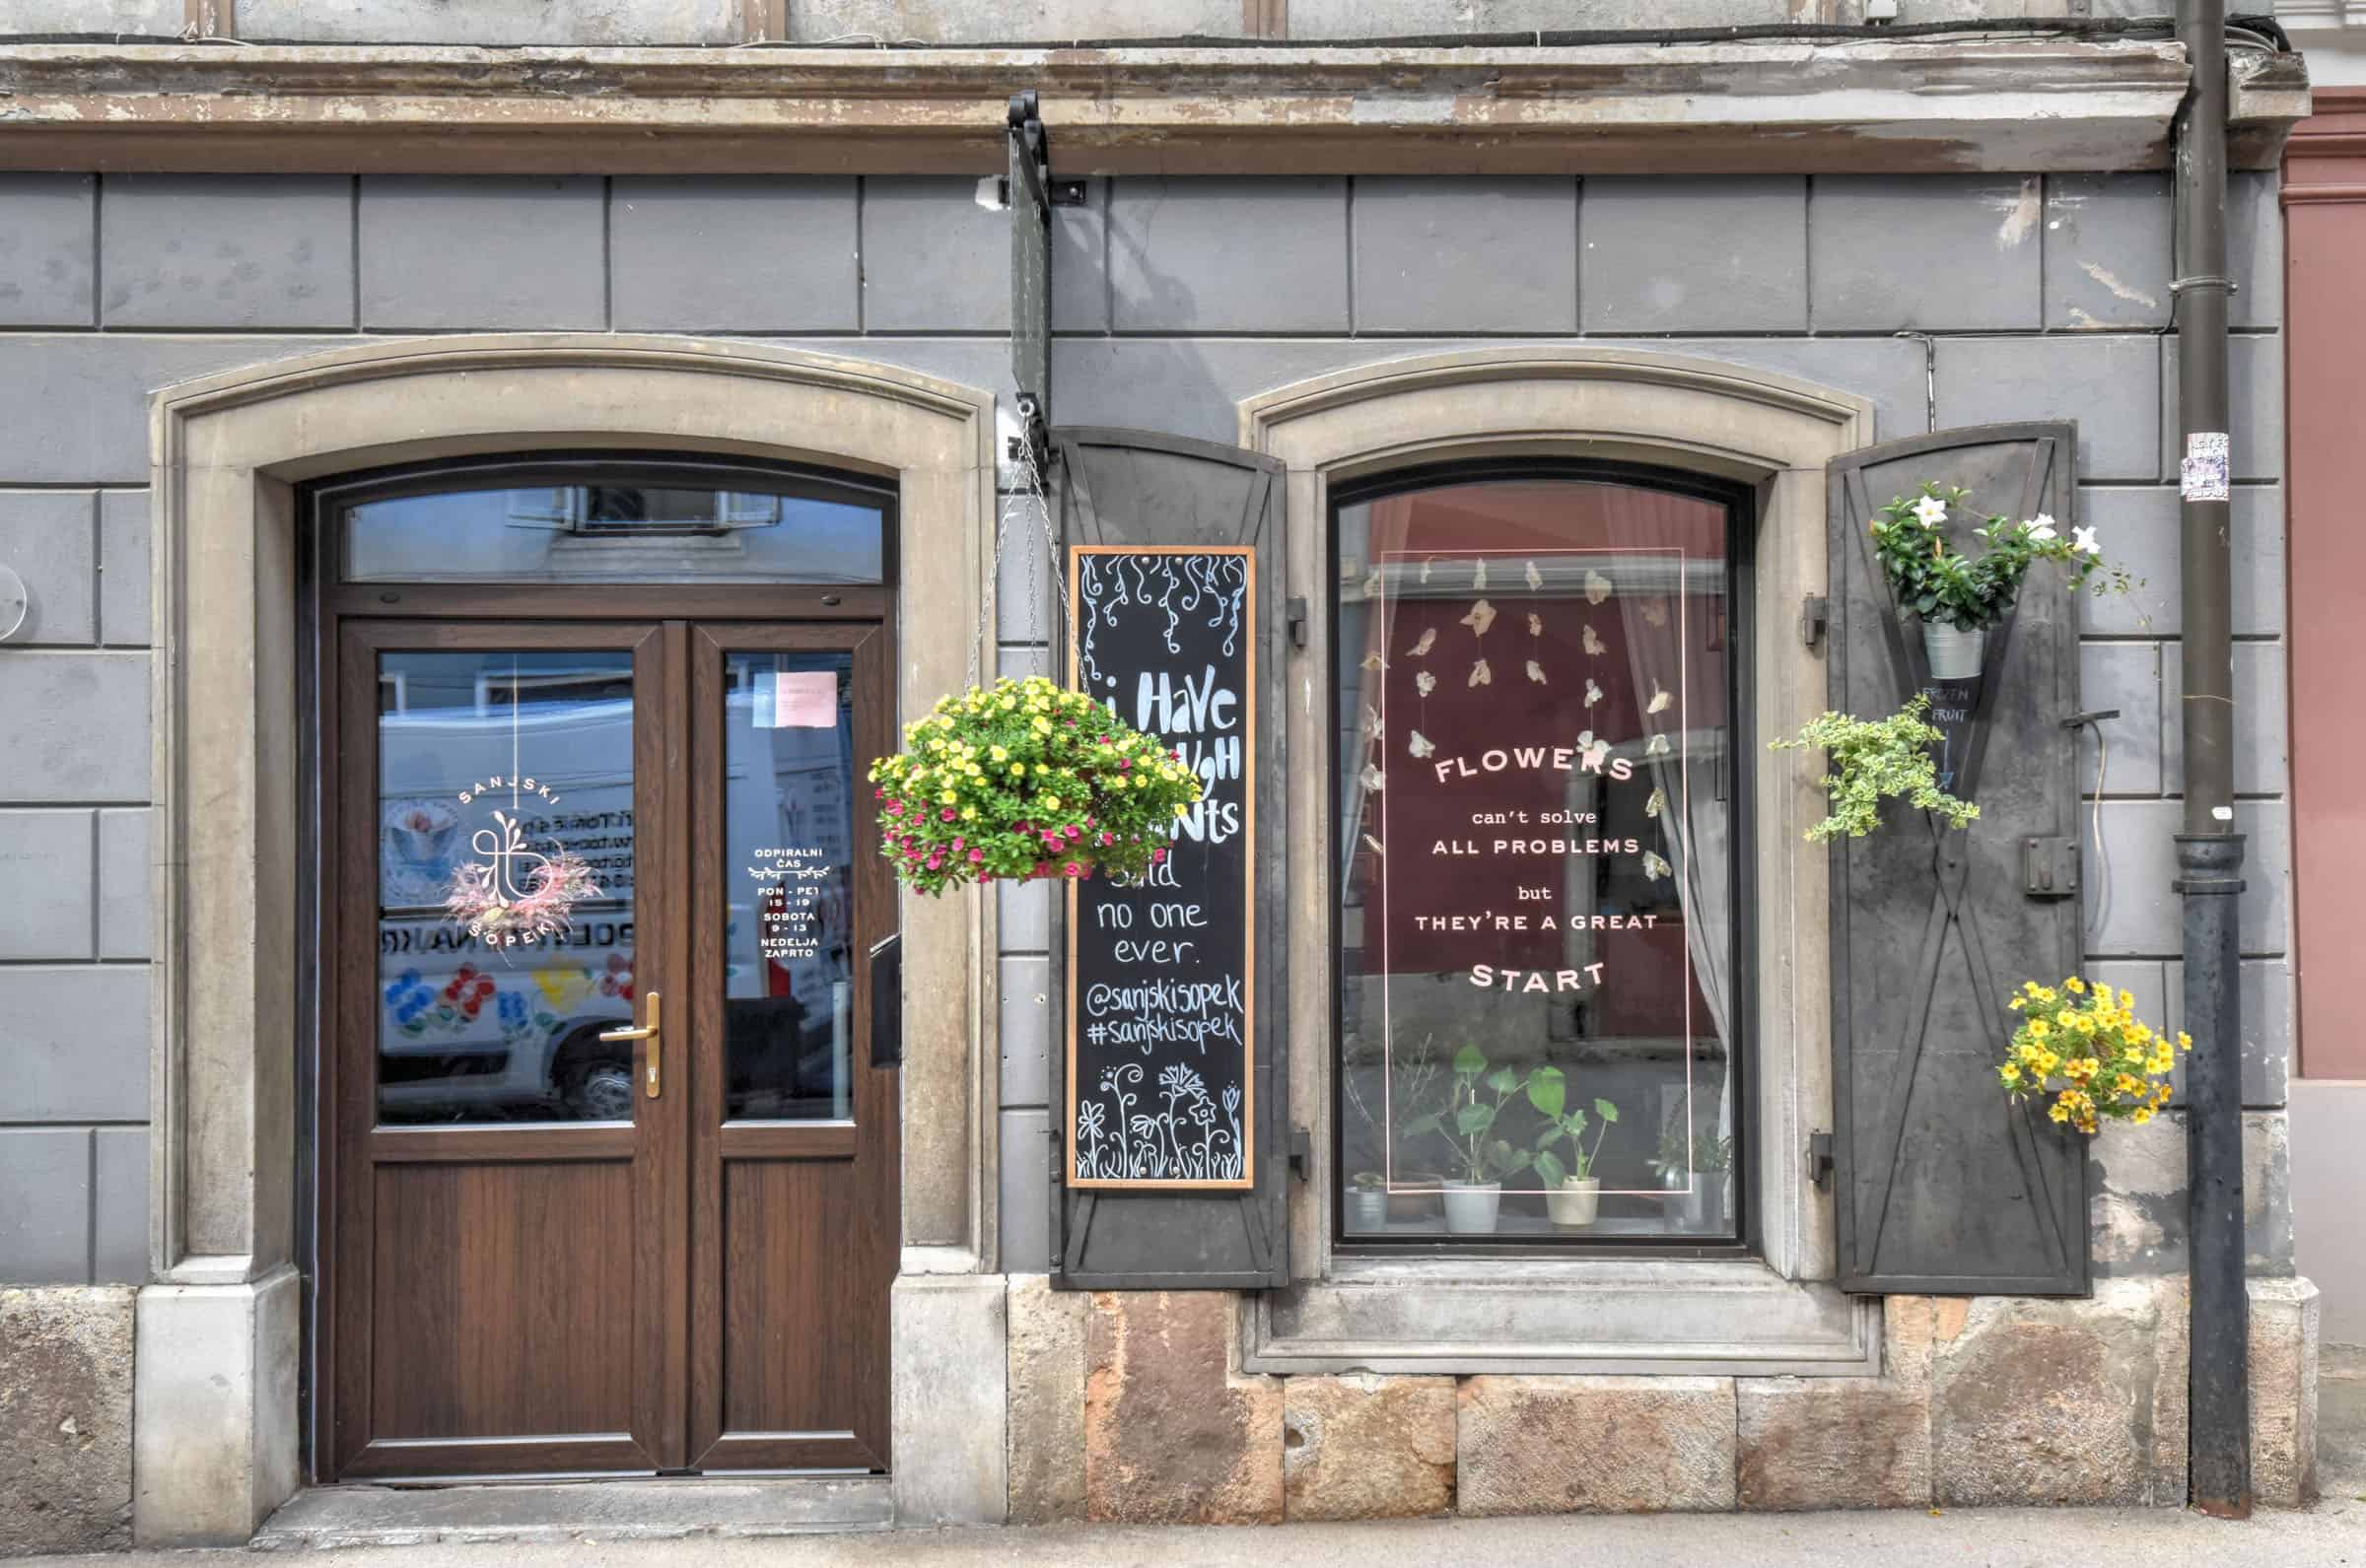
(2203, 475)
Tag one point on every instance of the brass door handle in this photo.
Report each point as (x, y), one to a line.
(647, 1032)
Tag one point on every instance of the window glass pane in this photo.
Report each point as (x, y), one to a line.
(1536, 913)
(789, 859)
(645, 532)
(505, 877)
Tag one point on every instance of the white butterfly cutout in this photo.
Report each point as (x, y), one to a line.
(1656, 803)
(1482, 616)
(1428, 640)
(1480, 675)
(1536, 579)
(1659, 700)
(1593, 693)
(1654, 867)
(1657, 746)
(1425, 683)
(1597, 586)
(1420, 744)
(1594, 644)
(1536, 673)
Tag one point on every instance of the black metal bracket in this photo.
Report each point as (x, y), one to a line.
(1301, 1154)
(1814, 618)
(1294, 612)
(1033, 433)
(1819, 1160)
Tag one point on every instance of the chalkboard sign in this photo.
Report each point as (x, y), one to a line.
(1161, 996)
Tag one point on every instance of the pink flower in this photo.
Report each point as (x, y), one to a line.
(1108, 838)
(975, 856)
(1157, 856)
(935, 861)
(895, 808)
(1071, 869)
(879, 794)
(1124, 763)
(1075, 832)
(960, 843)
(946, 815)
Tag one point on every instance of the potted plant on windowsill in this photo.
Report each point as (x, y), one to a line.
(1698, 1170)
(1368, 1201)
(1573, 1193)
(1467, 1121)
(1956, 597)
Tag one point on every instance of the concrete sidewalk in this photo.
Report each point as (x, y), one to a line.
(2332, 1534)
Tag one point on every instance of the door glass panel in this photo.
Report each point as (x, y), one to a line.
(646, 532)
(788, 916)
(504, 886)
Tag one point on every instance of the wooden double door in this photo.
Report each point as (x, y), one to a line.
(609, 1153)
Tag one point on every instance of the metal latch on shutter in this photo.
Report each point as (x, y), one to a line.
(1819, 1160)
(2050, 867)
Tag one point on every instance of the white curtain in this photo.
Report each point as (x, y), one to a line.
(1671, 651)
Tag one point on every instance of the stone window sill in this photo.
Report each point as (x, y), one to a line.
(1719, 1317)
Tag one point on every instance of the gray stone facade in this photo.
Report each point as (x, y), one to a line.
(1945, 301)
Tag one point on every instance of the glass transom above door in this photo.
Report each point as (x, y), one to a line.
(650, 521)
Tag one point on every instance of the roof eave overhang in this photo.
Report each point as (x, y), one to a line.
(1959, 106)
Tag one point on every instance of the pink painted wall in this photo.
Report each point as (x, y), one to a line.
(2325, 217)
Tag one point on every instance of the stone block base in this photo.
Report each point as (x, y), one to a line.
(1173, 1434)
(1047, 1401)
(946, 1389)
(65, 1418)
(1582, 1445)
(215, 1450)
(1363, 1447)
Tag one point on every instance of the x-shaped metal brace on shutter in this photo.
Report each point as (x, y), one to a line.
(1950, 907)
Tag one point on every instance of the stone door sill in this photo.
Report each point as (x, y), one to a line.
(557, 1512)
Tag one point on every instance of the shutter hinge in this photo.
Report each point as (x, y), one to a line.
(1301, 1154)
(1294, 612)
(1815, 616)
(1819, 1160)
(2048, 867)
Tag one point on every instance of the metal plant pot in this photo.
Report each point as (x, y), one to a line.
(1574, 1205)
(1368, 1210)
(1471, 1207)
(1954, 652)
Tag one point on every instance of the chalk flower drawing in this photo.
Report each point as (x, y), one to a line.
(1180, 1133)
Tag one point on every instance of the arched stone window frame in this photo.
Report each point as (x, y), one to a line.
(216, 1429)
(1778, 1313)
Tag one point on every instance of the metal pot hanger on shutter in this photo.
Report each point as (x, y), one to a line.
(1945, 1186)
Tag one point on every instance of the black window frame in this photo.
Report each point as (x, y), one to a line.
(1742, 512)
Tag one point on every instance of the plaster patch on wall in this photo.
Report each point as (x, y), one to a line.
(2021, 215)
(2127, 292)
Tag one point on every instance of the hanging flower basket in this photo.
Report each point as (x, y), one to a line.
(1023, 779)
(2083, 1047)
(1958, 597)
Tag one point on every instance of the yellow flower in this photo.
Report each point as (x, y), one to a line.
(2038, 1028)
(1018, 770)
(2060, 1113)
(2127, 1001)
(948, 798)
(2184, 1042)
(1051, 802)
(2014, 1005)
(969, 813)
(2076, 986)
(2141, 1114)
(1041, 768)
(998, 754)
(2009, 1073)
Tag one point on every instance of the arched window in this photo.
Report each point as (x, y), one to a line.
(1542, 1006)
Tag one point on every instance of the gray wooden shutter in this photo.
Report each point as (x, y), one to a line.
(1123, 487)
(1944, 1185)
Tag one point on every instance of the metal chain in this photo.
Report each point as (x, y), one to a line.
(1033, 494)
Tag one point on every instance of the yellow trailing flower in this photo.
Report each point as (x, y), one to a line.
(2086, 1054)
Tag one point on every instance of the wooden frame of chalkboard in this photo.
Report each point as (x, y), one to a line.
(1081, 894)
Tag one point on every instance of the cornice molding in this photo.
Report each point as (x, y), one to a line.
(1980, 104)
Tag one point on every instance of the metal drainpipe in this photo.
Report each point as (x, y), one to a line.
(2210, 853)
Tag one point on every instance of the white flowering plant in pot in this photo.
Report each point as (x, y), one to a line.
(1957, 597)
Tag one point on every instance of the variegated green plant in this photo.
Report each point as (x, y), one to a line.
(1876, 760)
